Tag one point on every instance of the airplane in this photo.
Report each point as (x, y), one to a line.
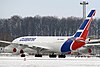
(11, 50)
(55, 44)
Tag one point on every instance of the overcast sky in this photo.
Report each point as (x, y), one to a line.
(59, 8)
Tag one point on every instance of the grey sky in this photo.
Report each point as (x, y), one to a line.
(59, 8)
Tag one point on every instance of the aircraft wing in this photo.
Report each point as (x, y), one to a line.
(96, 44)
(26, 45)
(8, 42)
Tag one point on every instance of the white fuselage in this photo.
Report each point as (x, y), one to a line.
(53, 43)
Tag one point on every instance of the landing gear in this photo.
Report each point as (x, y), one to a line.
(52, 55)
(22, 55)
(38, 52)
(61, 56)
(38, 55)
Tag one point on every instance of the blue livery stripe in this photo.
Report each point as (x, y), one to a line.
(66, 46)
(91, 13)
(84, 24)
(77, 34)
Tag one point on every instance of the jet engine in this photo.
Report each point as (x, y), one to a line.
(85, 50)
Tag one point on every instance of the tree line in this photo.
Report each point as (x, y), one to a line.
(17, 26)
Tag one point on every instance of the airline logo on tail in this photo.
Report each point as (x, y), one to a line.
(80, 36)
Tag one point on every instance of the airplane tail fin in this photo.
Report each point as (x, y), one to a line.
(84, 28)
(82, 33)
(79, 38)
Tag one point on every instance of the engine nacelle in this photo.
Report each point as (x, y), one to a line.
(85, 50)
(14, 50)
(1, 49)
(17, 50)
(87, 40)
(21, 51)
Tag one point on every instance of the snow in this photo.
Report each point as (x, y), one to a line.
(30, 61)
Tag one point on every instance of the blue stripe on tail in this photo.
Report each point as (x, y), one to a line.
(84, 24)
(77, 34)
(91, 13)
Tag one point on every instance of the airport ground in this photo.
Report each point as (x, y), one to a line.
(45, 61)
(31, 61)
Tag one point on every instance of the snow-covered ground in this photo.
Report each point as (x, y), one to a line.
(30, 61)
